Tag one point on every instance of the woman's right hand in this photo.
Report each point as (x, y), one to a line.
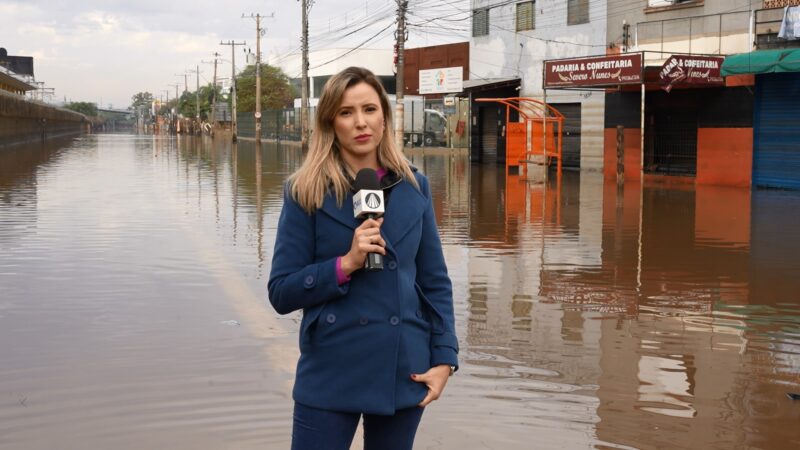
(366, 239)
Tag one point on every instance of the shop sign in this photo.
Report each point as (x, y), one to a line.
(691, 69)
(441, 81)
(593, 71)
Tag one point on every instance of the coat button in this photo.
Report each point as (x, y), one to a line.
(392, 265)
(394, 320)
(331, 318)
(363, 321)
(309, 281)
(419, 313)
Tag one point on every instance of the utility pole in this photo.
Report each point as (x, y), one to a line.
(197, 97)
(306, 5)
(185, 76)
(177, 104)
(259, 32)
(214, 95)
(234, 124)
(197, 93)
(402, 5)
(169, 111)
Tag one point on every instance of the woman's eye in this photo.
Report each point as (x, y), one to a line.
(344, 113)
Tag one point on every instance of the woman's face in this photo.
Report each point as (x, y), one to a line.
(359, 126)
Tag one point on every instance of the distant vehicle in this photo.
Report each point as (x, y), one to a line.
(421, 127)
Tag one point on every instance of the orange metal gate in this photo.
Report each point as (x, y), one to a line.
(539, 134)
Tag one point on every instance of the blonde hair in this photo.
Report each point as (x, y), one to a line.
(323, 168)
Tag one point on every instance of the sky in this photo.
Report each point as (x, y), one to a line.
(105, 51)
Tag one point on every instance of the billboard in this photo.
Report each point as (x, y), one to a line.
(593, 71)
(441, 81)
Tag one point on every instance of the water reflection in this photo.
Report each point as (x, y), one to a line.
(590, 315)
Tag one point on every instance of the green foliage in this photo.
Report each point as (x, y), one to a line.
(276, 92)
(187, 103)
(142, 100)
(85, 108)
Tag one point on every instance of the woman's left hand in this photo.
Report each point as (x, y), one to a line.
(435, 378)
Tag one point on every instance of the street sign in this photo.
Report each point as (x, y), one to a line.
(593, 71)
(691, 69)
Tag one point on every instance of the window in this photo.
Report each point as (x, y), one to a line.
(525, 15)
(577, 12)
(480, 22)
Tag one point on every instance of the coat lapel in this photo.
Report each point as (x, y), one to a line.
(406, 207)
(343, 215)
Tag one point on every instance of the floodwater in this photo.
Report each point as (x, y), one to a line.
(134, 314)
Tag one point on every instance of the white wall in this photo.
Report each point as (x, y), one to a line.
(507, 53)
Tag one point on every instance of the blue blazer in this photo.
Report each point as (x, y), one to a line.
(361, 341)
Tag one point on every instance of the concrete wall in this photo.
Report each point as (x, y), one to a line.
(22, 120)
(507, 53)
(700, 26)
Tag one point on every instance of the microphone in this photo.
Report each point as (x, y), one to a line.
(368, 204)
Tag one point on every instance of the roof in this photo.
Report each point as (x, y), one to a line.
(8, 77)
(489, 83)
(762, 61)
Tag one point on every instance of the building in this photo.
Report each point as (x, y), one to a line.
(510, 41)
(774, 68)
(16, 73)
(697, 124)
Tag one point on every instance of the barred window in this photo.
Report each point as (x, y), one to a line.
(480, 22)
(525, 15)
(577, 12)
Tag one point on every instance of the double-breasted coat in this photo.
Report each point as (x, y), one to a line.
(361, 341)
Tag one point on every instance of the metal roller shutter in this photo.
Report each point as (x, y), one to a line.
(489, 138)
(776, 159)
(571, 145)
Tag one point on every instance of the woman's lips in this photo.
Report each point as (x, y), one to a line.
(363, 137)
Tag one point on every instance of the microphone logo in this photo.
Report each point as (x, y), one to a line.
(373, 201)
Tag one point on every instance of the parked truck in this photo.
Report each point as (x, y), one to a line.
(421, 126)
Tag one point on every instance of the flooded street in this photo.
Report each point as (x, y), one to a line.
(134, 313)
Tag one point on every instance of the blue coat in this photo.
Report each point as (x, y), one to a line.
(361, 341)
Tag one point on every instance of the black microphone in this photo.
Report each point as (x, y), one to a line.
(368, 204)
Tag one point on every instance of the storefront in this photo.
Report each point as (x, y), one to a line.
(776, 129)
(678, 121)
(488, 127)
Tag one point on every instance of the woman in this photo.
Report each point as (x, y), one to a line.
(380, 344)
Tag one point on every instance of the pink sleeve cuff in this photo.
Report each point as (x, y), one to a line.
(341, 278)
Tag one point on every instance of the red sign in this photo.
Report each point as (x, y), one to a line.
(691, 69)
(594, 71)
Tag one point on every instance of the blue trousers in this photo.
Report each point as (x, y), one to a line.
(319, 429)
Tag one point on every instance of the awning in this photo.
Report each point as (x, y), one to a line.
(762, 61)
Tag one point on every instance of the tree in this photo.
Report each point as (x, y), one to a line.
(276, 92)
(141, 100)
(187, 104)
(85, 108)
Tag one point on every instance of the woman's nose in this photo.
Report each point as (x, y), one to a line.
(360, 120)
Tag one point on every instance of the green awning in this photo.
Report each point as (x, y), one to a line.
(762, 61)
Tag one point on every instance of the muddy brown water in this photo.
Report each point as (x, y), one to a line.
(133, 307)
